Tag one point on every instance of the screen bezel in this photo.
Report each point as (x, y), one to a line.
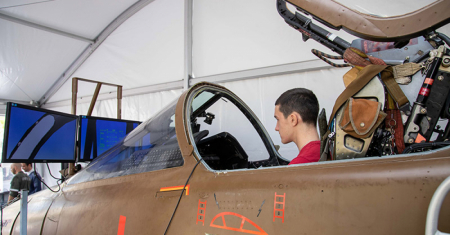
(95, 118)
(9, 105)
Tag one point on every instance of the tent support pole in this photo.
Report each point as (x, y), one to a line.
(188, 6)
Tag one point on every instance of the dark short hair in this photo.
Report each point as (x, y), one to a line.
(302, 101)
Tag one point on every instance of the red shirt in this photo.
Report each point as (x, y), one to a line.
(309, 153)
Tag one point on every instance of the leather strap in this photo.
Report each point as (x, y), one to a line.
(364, 76)
(360, 60)
(393, 88)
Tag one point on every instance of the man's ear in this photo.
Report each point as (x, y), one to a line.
(293, 118)
(296, 119)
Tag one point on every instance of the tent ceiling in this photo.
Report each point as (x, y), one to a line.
(84, 18)
(43, 43)
(145, 50)
(40, 40)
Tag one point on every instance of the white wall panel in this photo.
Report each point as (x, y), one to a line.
(237, 35)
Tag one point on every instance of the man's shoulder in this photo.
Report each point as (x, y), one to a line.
(309, 153)
(19, 177)
(15, 177)
(22, 176)
(21, 173)
(34, 175)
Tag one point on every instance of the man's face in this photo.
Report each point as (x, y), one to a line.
(283, 126)
(13, 170)
(25, 167)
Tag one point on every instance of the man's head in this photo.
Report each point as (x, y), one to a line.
(298, 106)
(27, 167)
(15, 168)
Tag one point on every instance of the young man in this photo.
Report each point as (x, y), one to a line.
(296, 111)
(35, 185)
(19, 182)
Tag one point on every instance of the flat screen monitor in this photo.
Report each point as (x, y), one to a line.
(38, 135)
(96, 135)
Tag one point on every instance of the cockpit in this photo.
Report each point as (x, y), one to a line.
(226, 133)
(223, 131)
(152, 146)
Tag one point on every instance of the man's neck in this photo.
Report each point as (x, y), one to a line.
(306, 135)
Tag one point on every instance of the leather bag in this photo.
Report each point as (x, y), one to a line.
(361, 117)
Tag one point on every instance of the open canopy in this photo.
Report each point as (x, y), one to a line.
(383, 20)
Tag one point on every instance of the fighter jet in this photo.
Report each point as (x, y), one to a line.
(190, 170)
(205, 164)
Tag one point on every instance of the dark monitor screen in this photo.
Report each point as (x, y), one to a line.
(96, 135)
(38, 135)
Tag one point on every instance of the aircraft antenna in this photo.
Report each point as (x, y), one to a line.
(181, 195)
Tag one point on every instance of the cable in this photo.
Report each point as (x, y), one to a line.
(40, 179)
(181, 195)
(51, 173)
(430, 145)
(444, 37)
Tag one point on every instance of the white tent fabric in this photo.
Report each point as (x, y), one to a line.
(145, 50)
(36, 64)
(243, 45)
(39, 40)
(84, 18)
(237, 35)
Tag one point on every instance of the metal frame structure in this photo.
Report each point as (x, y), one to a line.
(94, 97)
(45, 28)
(188, 14)
(93, 100)
(435, 207)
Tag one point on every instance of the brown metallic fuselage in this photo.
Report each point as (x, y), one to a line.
(387, 195)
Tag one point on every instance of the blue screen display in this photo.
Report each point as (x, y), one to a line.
(100, 134)
(38, 135)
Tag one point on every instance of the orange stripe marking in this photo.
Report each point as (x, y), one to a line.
(174, 188)
(122, 221)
